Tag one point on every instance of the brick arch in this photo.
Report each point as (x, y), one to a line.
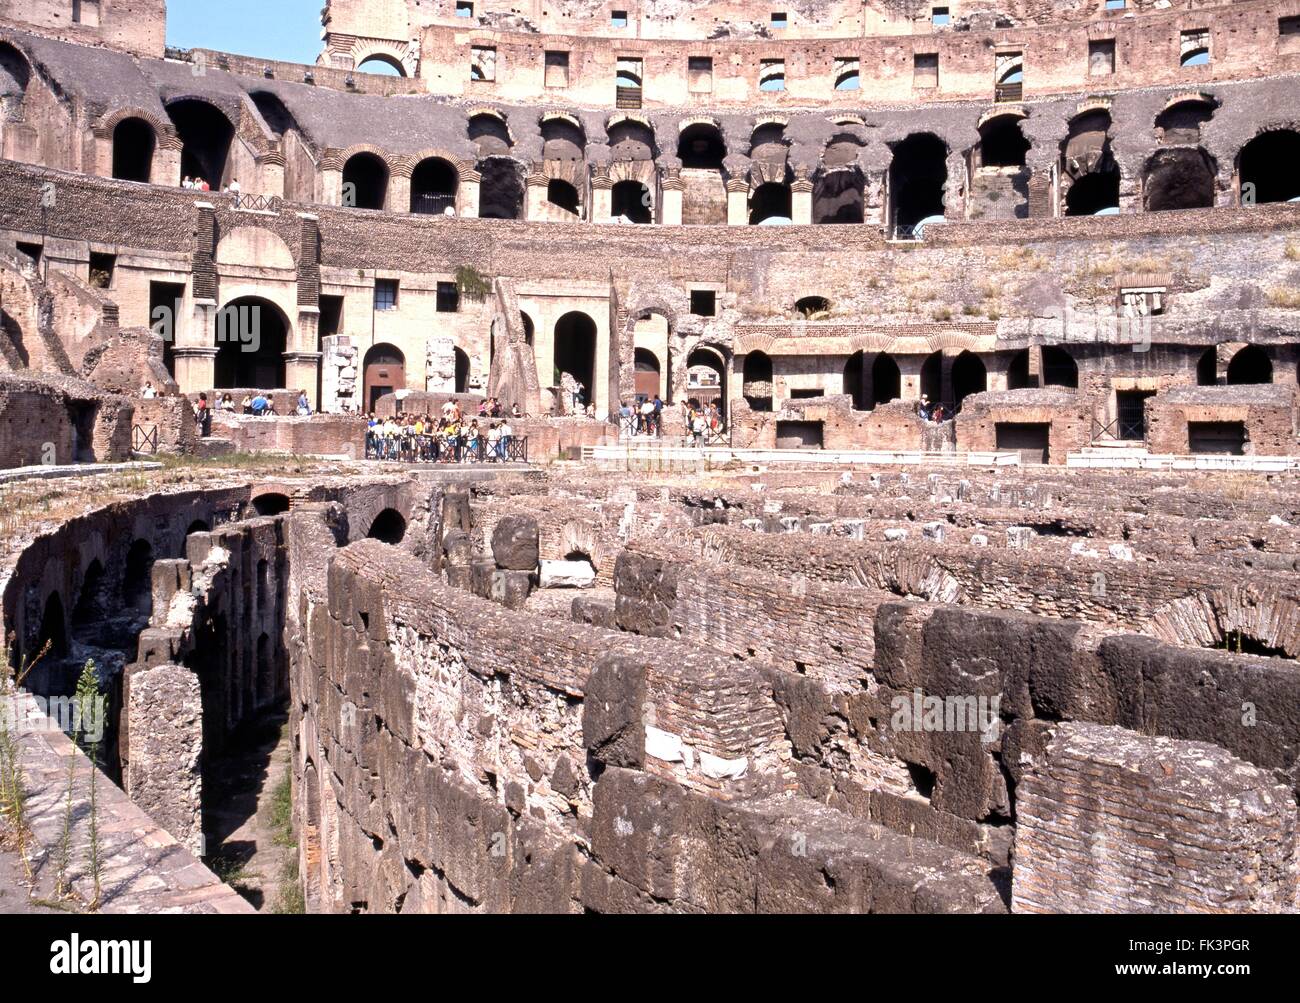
(163, 130)
(907, 572)
(399, 53)
(1207, 619)
(413, 160)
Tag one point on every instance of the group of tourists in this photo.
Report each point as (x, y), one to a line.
(410, 438)
(702, 422)
(932, 411)
(643, 418)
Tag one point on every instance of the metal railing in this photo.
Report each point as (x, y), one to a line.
(1118, 430)
(144, 440)
(256, 203)
(1008, 93)
(433, 204)
(441, 449)
(627, 97)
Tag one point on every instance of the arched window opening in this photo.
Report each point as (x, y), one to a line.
(137, 578)
(770, 204)
(706, 378)
(632, 141)
(489, 134)
(206, 136)
(813, 307)
(1207, 367)
(1093, 194)
(501, 189)
(1267, 168)
(575, 353)
(1059, 368)
(917, 175)
(630, 200)
(133, 149)
(1250, 365)
(53, 630)
(389, 526)
(647, 376)
(382, 64)
(271, 503)
(563, 140)
(365, 182)
(277, 117)
(383, 372)
(462, 371)
(886, 380)
(1178, 179)
(1180, 124)
(563, 195)
(969, 376)
(434, 183)
(1002, 143)
(756, 381)
(856, 381)
(701, 147)
(251, 335)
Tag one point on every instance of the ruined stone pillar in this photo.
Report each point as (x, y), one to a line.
(737, 202)
(670, 212)
(801, 202)
(165, 729)
(270, 181)
(467, 194)
(602, 197)
(909, 369)
(399, 187)
(535, 195)
(1088, 806)
(331, 178)
(166, 167)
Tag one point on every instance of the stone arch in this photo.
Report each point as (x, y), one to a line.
(137, 572)
(206, 136)
(563, 138)
(134, 143)
(1250, 365)
(575, 341)
(1264, 619)
(244, 322)
(905, 572)
(389, 526)
(368, 171)
(631, 138)
(1266, 169)
(489, 131)
(398, 56)
(1002, 141)
(1178, 178)
(1090, 174)
(918, 178)
(1181, 120)
(501, 188)
(270, 503)
(435, 180)
(254, 246)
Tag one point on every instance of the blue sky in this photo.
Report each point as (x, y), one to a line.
(273, 29)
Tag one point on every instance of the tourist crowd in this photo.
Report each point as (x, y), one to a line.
(450, 438)
(701, 422)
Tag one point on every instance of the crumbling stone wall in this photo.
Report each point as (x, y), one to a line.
(1092, 800)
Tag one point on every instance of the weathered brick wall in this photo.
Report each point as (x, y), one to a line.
(320, 435)
(1092, 801)
(1268, 413)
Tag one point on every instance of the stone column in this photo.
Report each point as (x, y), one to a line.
(535, 194)
(166, 167)
(271, 180)
(801, 200)
(909, 369)
(331, 178)
(300, 369)
(399, 186)
(602, 196)
(737, 202)
(467, 194)
(165, 725)
(670, 211)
